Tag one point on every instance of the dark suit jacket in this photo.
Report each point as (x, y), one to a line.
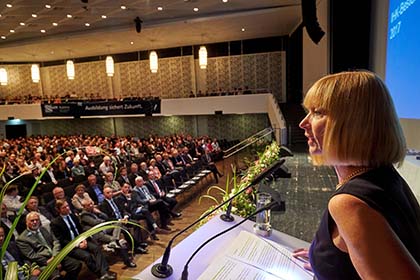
(123, 202)
(51, 207)
(132, 178)
(61, 231)
(92, 192)
(162, 168)
(106, 208)
(33, 250)
(14, 251)
(152, 188)
(121, 180)
(138, 199)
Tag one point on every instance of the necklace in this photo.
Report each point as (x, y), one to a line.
(355, 173)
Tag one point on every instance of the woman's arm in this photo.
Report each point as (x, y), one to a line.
(375, 250)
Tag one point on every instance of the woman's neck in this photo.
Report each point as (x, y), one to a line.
(347, 172)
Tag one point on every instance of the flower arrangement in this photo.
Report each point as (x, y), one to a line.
(244, 204)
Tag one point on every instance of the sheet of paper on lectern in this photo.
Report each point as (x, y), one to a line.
(252, 257)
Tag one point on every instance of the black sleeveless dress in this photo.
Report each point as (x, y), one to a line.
(384, 190)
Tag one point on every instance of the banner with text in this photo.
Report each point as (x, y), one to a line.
(103, 108)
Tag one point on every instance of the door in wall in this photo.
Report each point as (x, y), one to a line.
(15, 131)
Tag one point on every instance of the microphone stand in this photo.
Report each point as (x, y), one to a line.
(185, 271)
(163, 269)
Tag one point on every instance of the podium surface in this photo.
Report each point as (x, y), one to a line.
(182, 252)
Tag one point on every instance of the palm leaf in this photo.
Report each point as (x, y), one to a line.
(209, 197)
(75, 242)
(222, 191)
(12, 271)
(22, 208)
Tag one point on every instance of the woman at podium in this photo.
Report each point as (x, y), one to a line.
(371, 228)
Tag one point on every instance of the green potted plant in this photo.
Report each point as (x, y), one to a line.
(244, 204)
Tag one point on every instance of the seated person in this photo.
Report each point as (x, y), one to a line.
(95, 190)
(90, 217)
(66, 227)
(113, 184)
(124, 201)
(117, 212)
(79, 196)
(12, 200)
(40, 246)
(209, 163)
(141, 197)
(158, 192)
(59, 194)
(44, 215)
(13, 254)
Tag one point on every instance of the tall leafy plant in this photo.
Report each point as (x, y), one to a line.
(244, 204)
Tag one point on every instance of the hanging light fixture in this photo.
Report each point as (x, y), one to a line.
(202, 57)
(109, 63)
(35, 73)
(70, 69)
(3, 77)
(153, 62)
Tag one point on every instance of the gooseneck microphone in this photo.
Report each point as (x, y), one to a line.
(227, 217)
(163, 269)
(185, 271)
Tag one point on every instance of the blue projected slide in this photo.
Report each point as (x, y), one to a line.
(403, 57)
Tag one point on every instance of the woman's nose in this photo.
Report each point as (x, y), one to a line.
(305, 122)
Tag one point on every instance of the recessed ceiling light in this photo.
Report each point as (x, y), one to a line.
(48, 6)
(9, 5)
(22, 23)
(160, 8)
(34, 15)
(103, 16)
(225, 1)
(195, 9)
(243, 29)
(12, 31)
(123, 7)
(69, 16)
(131, 43)
(54, 23)
(87, 24)
(0, 15)
(3, 37)
(43, 31)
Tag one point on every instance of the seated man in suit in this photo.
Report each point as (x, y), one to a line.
(141, 197)
(94, 189)
(66, 227)
(158, 192)
(117, 212)
(12, 254)
(124, 200)
(40, 246)
(209, 163)
(59, 193)
(90, 217)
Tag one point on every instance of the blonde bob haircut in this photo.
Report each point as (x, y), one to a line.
(362, 127)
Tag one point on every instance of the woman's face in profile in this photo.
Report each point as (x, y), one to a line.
(314, 125)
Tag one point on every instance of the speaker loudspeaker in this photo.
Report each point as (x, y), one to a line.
(310, 20)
